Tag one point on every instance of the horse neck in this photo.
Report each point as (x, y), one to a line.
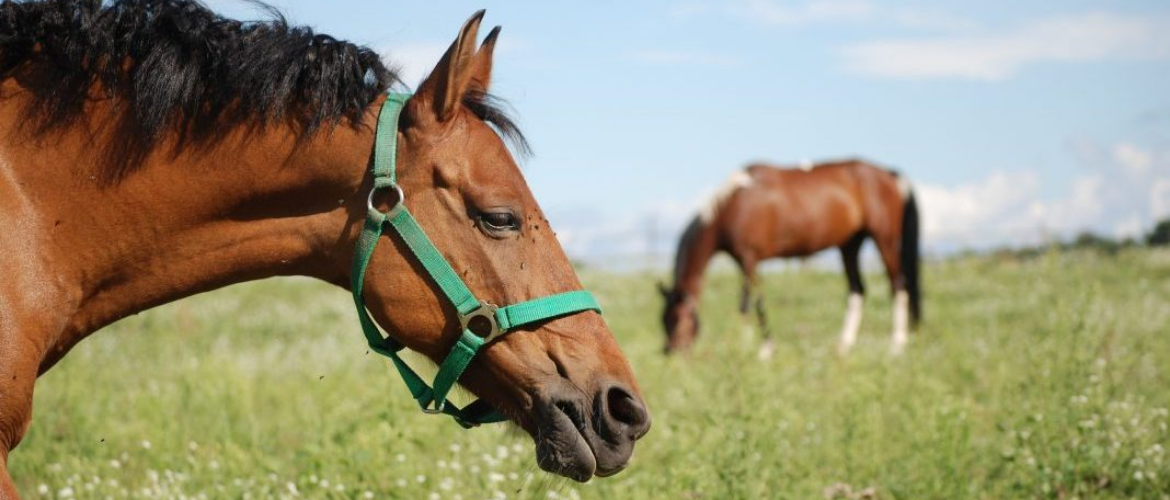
(249, 205)
(695, 250)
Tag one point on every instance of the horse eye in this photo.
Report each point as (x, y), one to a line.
(499, 221)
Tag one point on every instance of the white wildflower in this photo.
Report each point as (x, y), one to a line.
(145, 444)
(495, 477)
(43, 489)
(66, 492)
(420, 478)
(368, 494)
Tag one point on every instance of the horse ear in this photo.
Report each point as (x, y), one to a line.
(445, 86)
(480, 71)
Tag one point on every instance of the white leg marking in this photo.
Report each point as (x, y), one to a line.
(852, 323)
(901, 322)
(767, 349)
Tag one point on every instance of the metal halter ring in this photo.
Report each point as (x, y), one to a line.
(436, 410)
(394, 209)
(486, 311)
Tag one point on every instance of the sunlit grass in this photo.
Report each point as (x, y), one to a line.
(1039, 379)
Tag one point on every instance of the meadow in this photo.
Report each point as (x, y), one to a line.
(1039, 378)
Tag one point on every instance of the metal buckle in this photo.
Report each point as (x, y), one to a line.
(437, 406)
(487, 311)
(394, 210)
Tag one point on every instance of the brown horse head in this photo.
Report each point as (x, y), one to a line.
(680, 319)
(565, 382)
(248, 151)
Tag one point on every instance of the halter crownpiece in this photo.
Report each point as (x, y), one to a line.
(433, 399)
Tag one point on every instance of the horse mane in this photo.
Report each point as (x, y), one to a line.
(175, 64)
(685, 243)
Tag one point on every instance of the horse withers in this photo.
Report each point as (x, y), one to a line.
(765, 212)
(151, 150)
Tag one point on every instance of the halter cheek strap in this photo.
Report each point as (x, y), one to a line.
(433, 398)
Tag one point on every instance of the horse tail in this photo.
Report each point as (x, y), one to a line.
(910, 249)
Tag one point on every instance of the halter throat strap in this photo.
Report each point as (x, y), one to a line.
(433, 398)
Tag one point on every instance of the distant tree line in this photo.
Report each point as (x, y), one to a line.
(1159, 236)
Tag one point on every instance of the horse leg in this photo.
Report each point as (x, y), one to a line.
(753, 294)
(888, 248)
(747, 264)
(850, 256)
(768, 347)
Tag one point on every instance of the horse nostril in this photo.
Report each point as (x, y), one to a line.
(622, 407)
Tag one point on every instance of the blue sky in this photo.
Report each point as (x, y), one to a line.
(1017, 121)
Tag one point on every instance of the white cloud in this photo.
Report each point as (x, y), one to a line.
(1133, 159)
(415, 60)
(777, 13)
(1160, 199)
(1108, 196)
(998, 56)
(988, 208)
(691, 58)
(1120, 195)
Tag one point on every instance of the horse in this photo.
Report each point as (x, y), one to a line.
(152, 149)
(764, 212)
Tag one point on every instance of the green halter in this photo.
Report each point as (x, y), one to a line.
(433, 399)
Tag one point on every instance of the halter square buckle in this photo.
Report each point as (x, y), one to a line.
(487, 311)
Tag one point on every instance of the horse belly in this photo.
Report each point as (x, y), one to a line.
(807, 226)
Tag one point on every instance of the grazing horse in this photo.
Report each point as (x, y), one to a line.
(764, 212)
(151, 150)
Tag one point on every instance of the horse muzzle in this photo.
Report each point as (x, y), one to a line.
(579, 436)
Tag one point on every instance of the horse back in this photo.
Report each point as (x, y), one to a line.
(792, 212)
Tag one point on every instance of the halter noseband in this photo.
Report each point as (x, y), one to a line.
(433, 399)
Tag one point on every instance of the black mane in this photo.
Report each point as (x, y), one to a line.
(175, 63)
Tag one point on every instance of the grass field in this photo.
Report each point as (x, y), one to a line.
(1045, 378)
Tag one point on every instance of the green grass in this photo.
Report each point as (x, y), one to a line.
(1045, 378)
